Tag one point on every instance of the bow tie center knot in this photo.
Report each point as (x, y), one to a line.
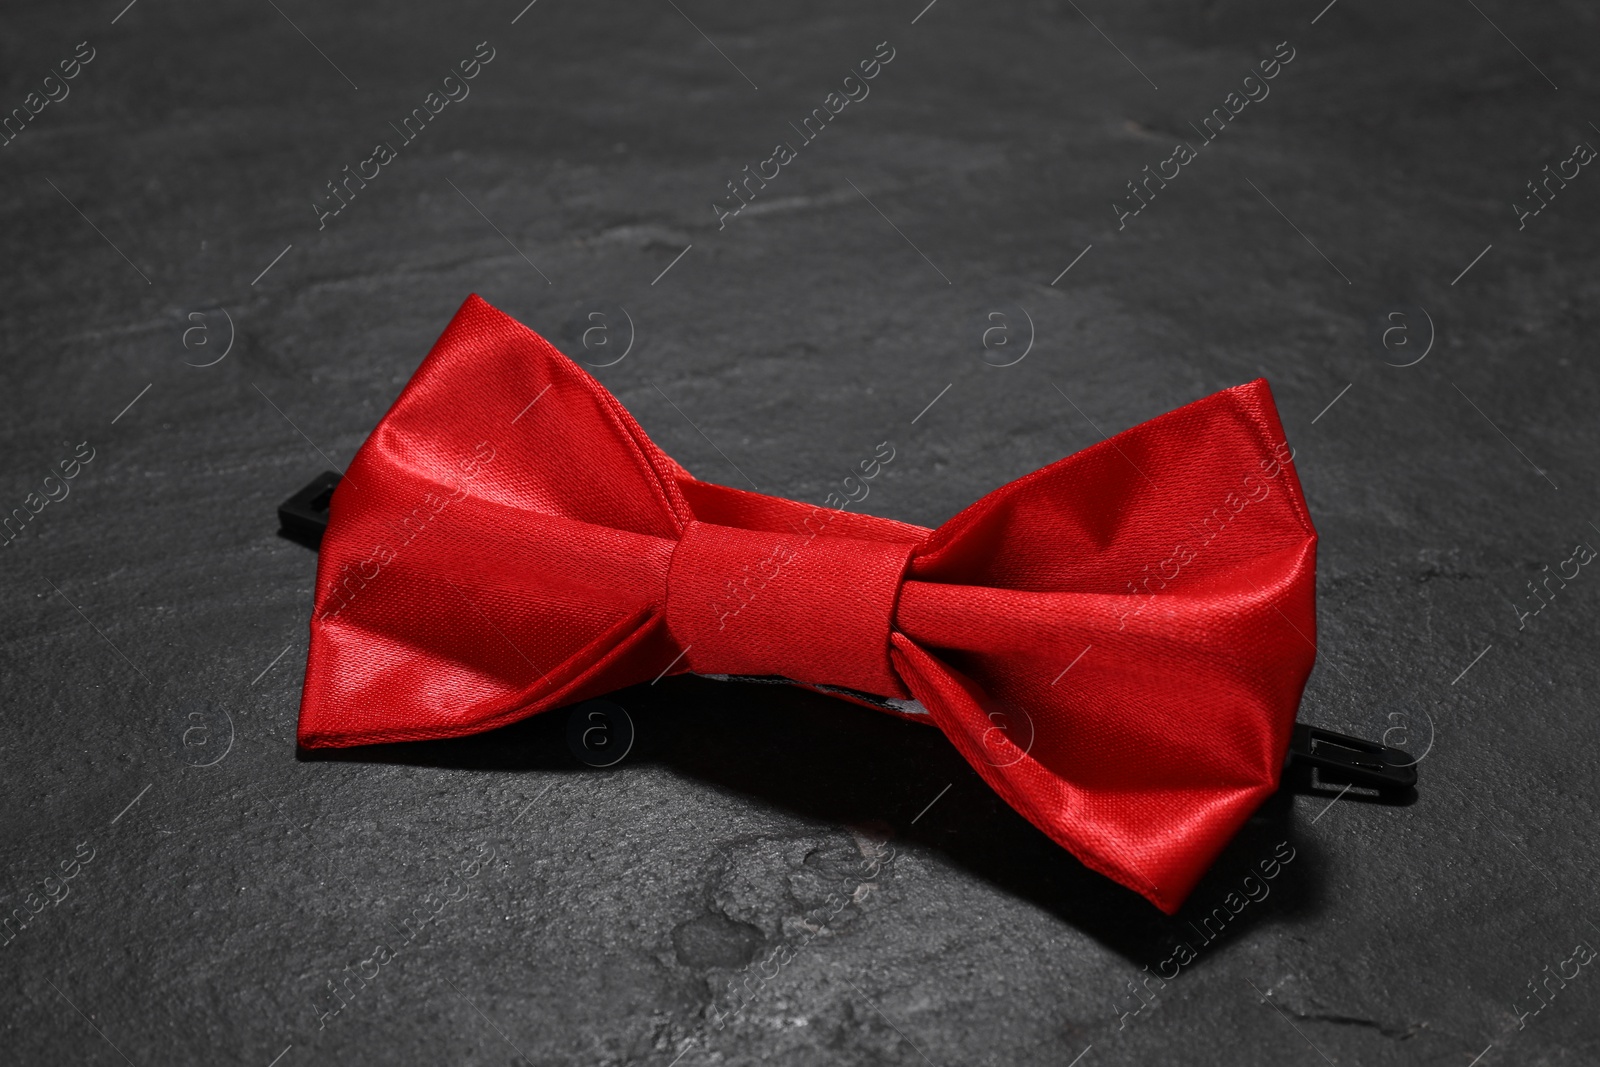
(805, 606)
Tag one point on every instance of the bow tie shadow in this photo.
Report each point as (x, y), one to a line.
(833, 763)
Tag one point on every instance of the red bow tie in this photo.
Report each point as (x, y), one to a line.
(1117, 642)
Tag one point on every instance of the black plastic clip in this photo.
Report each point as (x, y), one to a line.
(304, 516)
(1365, 763)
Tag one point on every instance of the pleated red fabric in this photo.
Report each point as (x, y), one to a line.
(1117, 643)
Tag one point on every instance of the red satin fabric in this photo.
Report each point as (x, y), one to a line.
(509, 541)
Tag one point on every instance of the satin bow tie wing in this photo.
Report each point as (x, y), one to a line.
(1118, 642)
(498, 546)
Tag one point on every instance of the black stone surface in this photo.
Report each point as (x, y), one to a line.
(170, 299)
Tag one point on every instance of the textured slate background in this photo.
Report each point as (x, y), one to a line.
(155, 622)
